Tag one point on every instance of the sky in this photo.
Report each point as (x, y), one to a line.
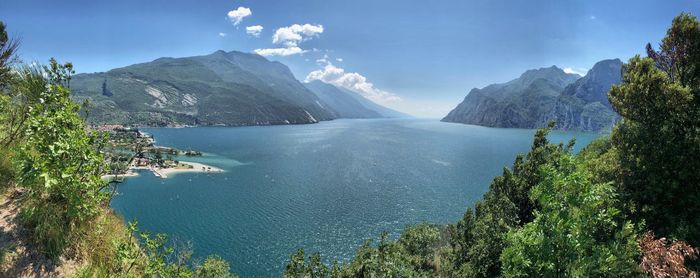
(418, 57)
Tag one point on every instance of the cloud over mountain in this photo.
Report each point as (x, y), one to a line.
(290, 37)
(353, 81)
(579, 71)
(286, 51)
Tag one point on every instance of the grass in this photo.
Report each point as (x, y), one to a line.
(97, 245)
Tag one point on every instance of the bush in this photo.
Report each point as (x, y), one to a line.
(213, 267)
(579, 231)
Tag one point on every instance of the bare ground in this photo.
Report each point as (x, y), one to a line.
(18, 258)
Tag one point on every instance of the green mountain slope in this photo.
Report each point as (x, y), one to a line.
(223, 88)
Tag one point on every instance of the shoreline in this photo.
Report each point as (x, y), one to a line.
(164, 172)
(265, 124)
(196, 168)
(129, 173)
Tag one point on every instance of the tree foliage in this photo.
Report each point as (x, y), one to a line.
(299, 267)
(658, 141)
(413, 254)
(479, 238)
(60, 164)
(8, 50)
(579, 231)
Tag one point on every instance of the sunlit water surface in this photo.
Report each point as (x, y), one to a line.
(324, 187)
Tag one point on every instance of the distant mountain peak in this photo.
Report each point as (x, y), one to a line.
(222, 88)
(593, 87)
(606, 67)
(544, 70)
(544, 94)
(553, 73)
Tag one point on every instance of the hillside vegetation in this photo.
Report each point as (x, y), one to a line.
(56, 205)
(627, 205)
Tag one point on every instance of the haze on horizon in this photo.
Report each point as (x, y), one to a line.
(416, 57)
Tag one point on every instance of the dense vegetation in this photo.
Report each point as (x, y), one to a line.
(626, 205)
(54, 163)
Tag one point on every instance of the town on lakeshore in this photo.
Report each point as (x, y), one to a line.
(130, 149)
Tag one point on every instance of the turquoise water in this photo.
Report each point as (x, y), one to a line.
(325, 187)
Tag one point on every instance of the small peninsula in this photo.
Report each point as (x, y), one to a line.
(130, 150)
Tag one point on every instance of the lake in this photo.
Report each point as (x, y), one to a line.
(324, 187)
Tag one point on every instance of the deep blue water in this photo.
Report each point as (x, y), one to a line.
(325, 187)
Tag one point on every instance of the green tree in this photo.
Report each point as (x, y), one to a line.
(214, 267)
(658, 140)
(385, 260)
(461, 239)
(420, 242)
(8, 49)
(298, 266)
(579, 231)
(7, 57)
(479, 238)
(60, 165)
(23, 93)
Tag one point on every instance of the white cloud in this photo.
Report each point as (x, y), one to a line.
(237, 15)
(290, 37)
(222, 34)
(323, 61)
(592, 17)
(579, 71)
(294, 34)
(289, 50)
(339, 59)
(353, 81)
(254, 30)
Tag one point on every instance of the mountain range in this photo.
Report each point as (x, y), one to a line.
(541, 95)
(222, 88)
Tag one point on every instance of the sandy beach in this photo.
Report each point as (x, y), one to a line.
(129, 173)
(196, 168)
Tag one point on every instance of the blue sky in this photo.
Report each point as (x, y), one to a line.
(420, 57)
